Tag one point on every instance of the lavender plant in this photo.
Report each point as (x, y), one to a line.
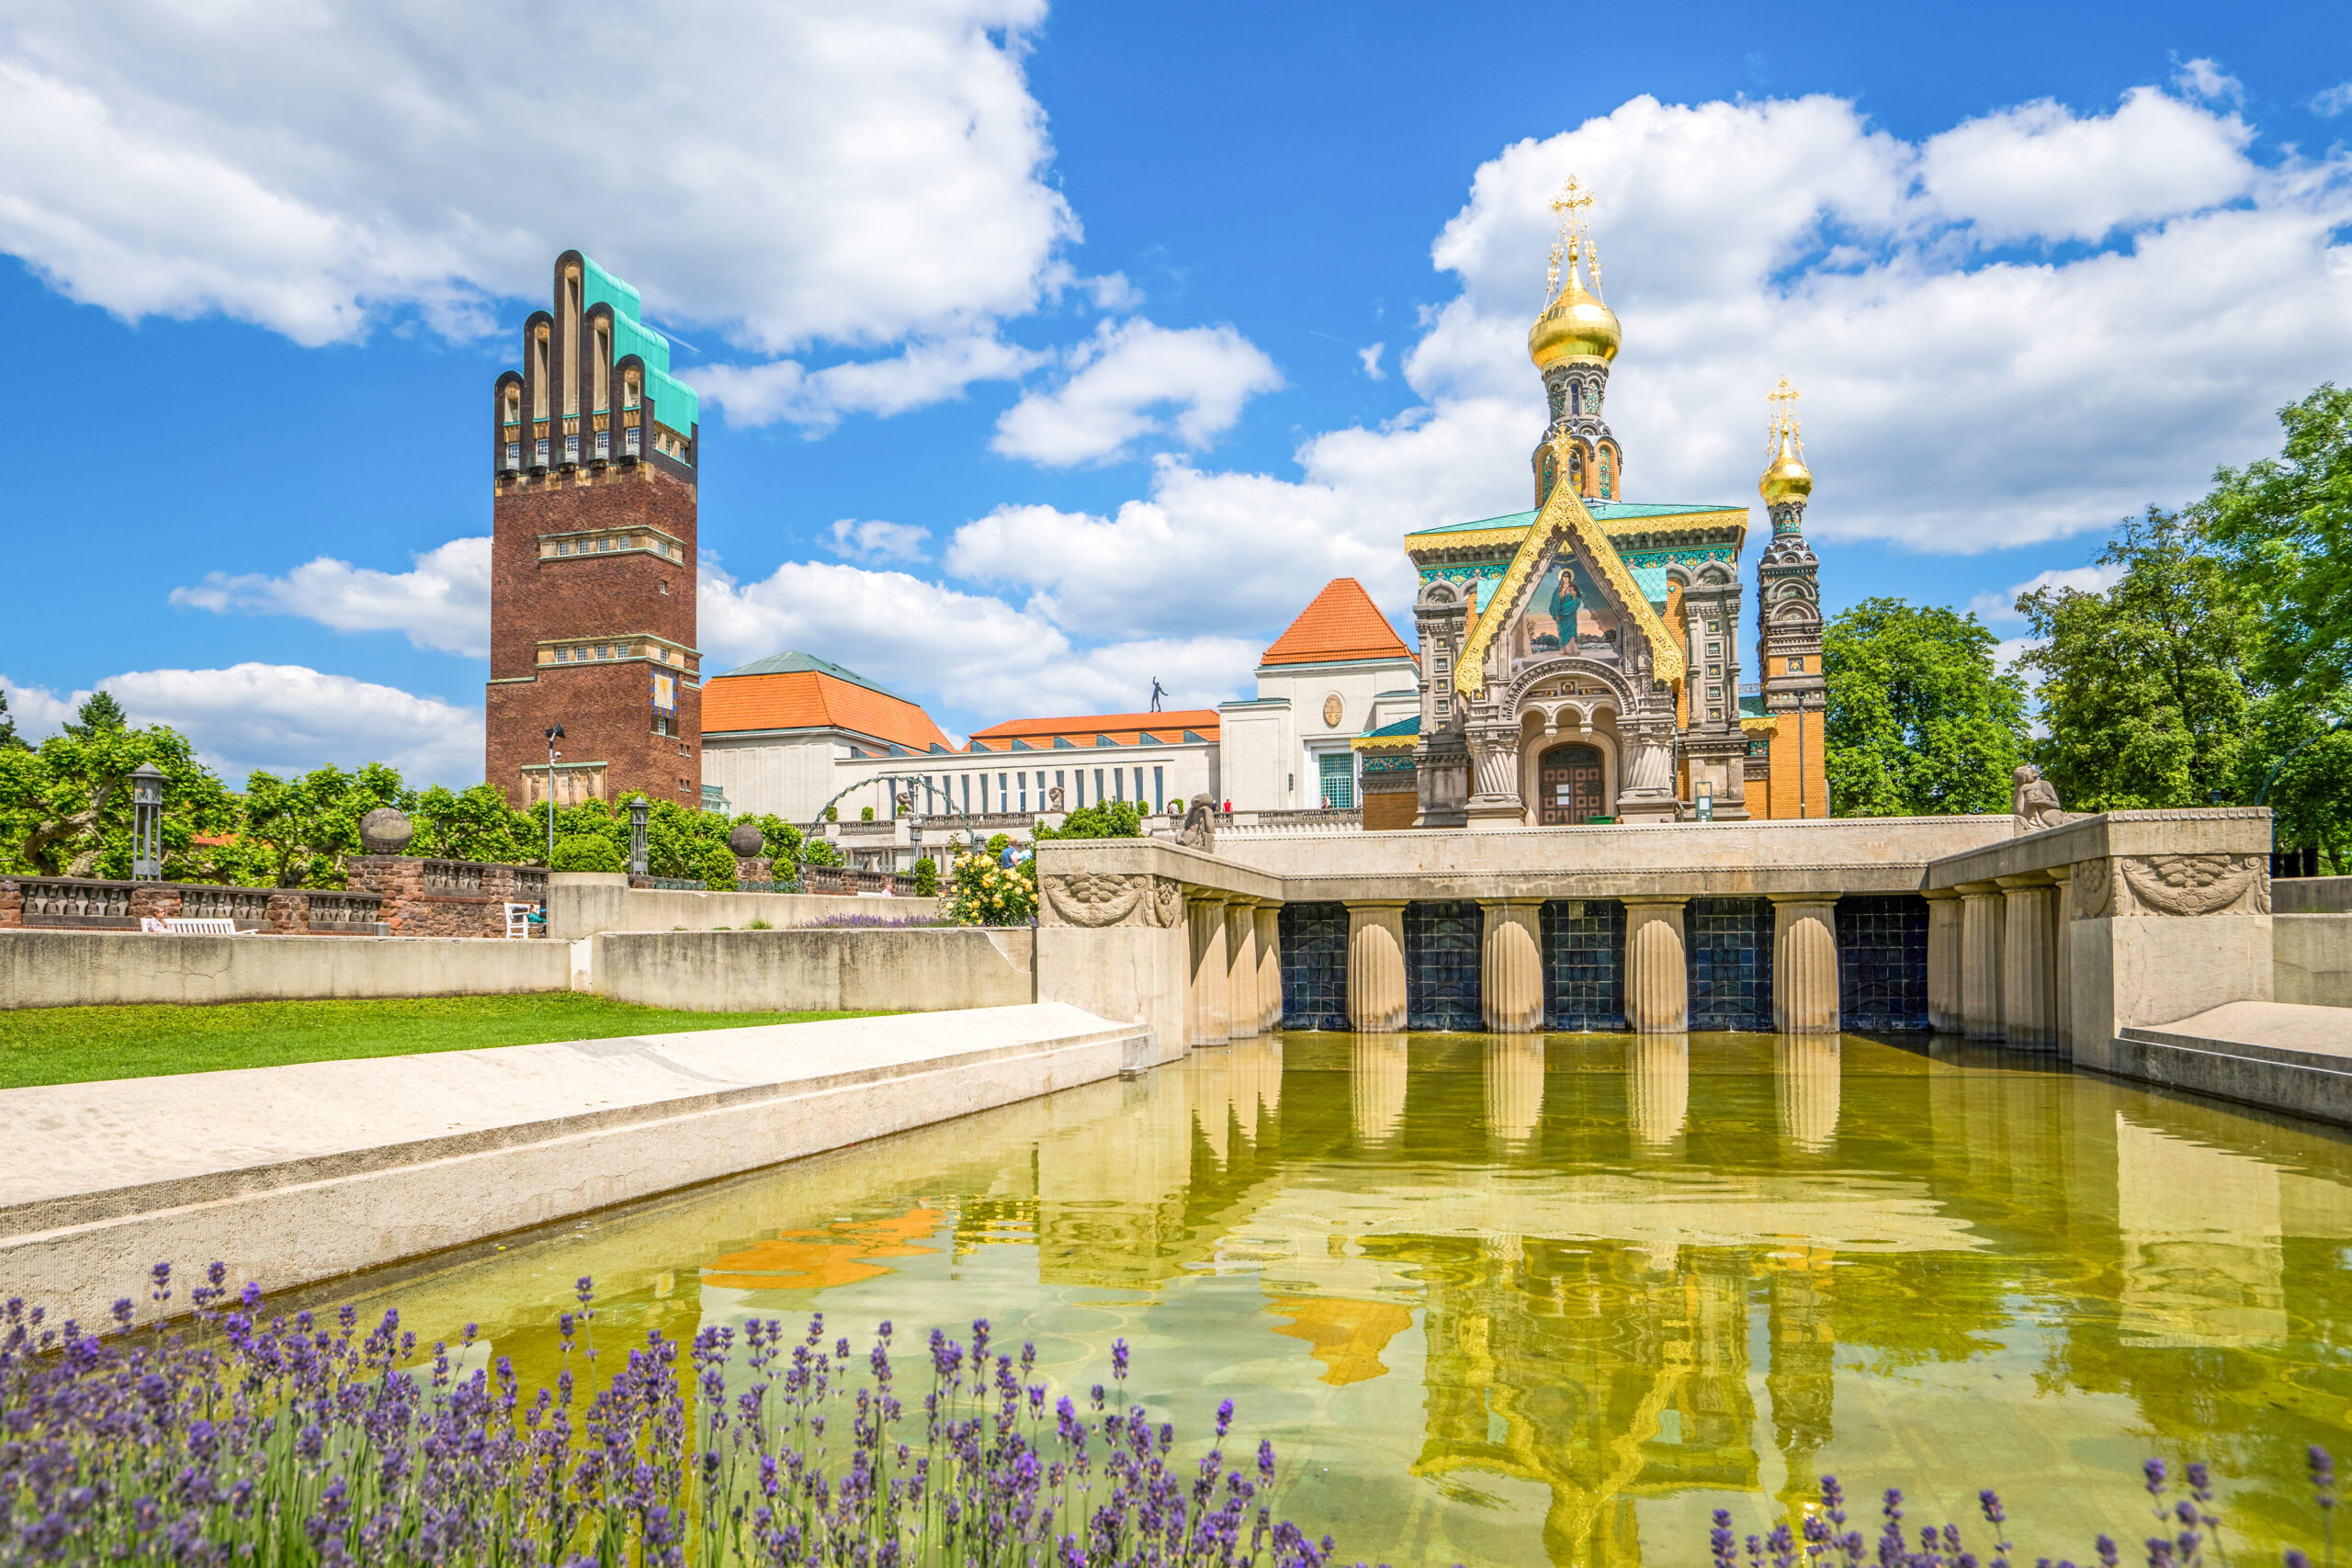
(232, 1436)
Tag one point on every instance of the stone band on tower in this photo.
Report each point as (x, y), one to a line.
(593, 563)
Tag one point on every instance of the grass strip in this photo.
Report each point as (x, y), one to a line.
(47, 1045)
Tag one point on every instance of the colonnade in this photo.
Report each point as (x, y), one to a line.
(1999, 965)
(1234, 980)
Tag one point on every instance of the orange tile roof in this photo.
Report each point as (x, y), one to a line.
(1124, 728)
(1342, 623)
(804, 699)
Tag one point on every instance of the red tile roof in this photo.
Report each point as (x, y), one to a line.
(1124, 728)
(812, 700)
(1342, 623)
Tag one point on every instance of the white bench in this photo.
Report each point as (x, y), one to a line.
(518, 920)
(178, 927)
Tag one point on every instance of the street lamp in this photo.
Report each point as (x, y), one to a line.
(638, 810)
(554, 733)
(147, 823)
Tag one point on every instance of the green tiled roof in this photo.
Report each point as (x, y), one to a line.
(675, 404)
(791, 663)
(1402, 727)
(1603, 512)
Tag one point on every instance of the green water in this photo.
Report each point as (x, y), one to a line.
(1517, 1300)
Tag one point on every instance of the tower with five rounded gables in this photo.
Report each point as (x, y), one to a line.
(593, 446)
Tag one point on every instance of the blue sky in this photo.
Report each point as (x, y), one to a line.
(1045, 351)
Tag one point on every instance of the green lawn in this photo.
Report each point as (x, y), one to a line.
(41, 1045)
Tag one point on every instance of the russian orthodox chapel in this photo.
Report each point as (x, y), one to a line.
(1580, 660)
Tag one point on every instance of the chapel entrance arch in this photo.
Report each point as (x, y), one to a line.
(1570, 785)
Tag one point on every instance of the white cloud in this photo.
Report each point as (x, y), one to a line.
(442, 603)
(1122, 377)
(2333, 101)
(924, 373)
(852, 538)
(285, 718)
(1370, 359)
(2041, 172)
(2204, 78)
(1992, 608)
(961, 652)
(1112, 292)
(788, 171)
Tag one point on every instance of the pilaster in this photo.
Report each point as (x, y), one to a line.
(1270, 966)
(2030, 961)
(1805, 964)
(1943, 961)
(2061, 935)
(1658, 973)
(1242, 1019)
(1376, 966)
(1205, 1015)
(1510, 979)
(1981, 952)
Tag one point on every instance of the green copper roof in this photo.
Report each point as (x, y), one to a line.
(675, 404)
(790, 664)
(1402, 727)
(1603, 511)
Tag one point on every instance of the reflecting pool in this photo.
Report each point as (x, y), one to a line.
(1512, 1300)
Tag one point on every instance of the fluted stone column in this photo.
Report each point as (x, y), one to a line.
(1804, 964)
(1943, 961)
(1241, 968)
(1376, 966)
(2029, 961)
(1514, 1088)
(1212, 977)
(1510, 970)
(1981, 907)
(2061, 934)
(1805, 1083)
(1657, 1069)
(1270, 967)
(1658, 971)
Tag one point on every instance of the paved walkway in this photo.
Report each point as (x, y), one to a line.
(295, 1174)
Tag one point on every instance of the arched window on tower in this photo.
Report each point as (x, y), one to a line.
(1608, 474)
(1550, 476)
(604, 368)
(570, 342)
(539, 374)
(1576, 467)
(1576, 397)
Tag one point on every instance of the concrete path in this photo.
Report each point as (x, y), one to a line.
(293, 1175)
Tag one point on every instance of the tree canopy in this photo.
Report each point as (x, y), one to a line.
(1922, 721)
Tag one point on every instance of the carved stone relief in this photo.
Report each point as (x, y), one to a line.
(1096, 899)
(2196, 884)
(2094, 886)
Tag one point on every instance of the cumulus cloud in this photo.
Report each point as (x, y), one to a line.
(860, 174)
(967, 653)
(1371, 360)
(1133, 379)
(852, 538)
(443, 602)
(1995, 608)
(2333, 101)
(921, 373)
(285, 718)
(2204, 78)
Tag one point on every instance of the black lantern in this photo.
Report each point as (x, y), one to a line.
(147, 823)
(638, 810)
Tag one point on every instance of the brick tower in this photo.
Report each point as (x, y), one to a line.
(591, 597)
(1788, 626)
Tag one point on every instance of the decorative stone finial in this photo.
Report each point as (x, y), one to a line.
(385, 831)
(746, 840)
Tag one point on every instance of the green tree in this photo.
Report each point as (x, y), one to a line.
(2284, 526)
(2147, 688)
(587, 851)
(474, 824)
(1105, 820)
(1922, 721)
(10, 739)
(65, 805)
(2311, 794)
(303, 828)
(99, 714)
(926, 875)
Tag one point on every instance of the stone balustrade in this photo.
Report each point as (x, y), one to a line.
(74, 903)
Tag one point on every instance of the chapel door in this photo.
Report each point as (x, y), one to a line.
(1568, 782)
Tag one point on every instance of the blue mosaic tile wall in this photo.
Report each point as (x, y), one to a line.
(1584, 963)
(1883, 961)
(1441, 965)
(1729, 945)
(1315, 965)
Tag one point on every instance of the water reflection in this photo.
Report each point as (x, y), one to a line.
(1518, 1298)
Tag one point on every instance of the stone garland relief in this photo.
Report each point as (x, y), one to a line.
(2183, 885)
(1095, 899)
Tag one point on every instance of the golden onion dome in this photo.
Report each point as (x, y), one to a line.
(1787, 478)
(1575, 325)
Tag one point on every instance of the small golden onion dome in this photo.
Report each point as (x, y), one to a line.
(1575, 325)
(1788, 479)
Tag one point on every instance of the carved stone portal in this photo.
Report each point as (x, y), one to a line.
(1095, 899)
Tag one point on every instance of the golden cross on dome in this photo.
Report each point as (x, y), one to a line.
(1784, 398)
(1573, 200)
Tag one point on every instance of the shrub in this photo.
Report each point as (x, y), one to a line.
(1105, 820)
(926, 877)
(758, 926)
(865, 814)
(719, 868)
(586, 851)
(983, 892)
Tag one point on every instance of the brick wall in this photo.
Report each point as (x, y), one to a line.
(88, 904)
(432, 897)
(605, 707)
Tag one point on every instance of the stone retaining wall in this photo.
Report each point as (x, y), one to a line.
(822, 970)
(85, 968)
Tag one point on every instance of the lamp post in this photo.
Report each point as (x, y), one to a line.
(638, 810)
(147, 823)
(554, 733)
